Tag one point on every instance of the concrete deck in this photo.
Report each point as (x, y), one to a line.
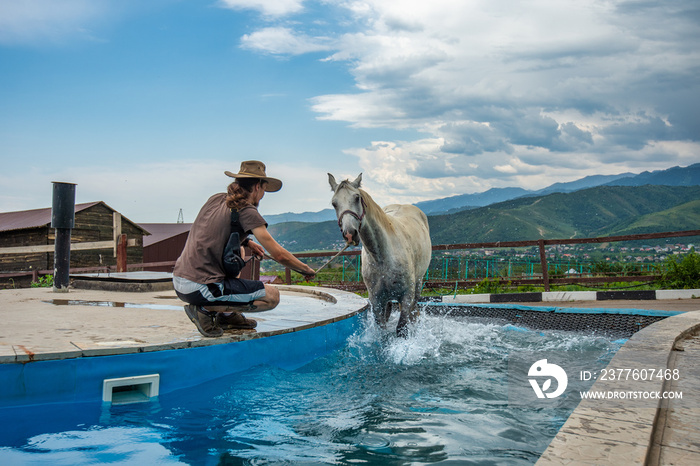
(664, 432)
(39, 324)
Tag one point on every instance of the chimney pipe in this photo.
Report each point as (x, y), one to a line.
(63, 220)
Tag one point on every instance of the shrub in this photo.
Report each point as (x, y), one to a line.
(490, 286)
(44, 281)
(682, 272)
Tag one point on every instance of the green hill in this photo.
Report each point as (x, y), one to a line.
(599, 211)
(681, 217)
(306, 236)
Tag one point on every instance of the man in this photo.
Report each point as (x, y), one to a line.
(199, 277)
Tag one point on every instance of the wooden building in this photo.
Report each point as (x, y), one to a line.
(165, 244)
(31, 231)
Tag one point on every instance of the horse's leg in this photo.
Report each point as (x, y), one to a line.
(404, 319)
(408, 306)
(387, 311)
(409, 310)
(381, 307)
(416, 297)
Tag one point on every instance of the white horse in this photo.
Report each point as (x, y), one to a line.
(396, 249)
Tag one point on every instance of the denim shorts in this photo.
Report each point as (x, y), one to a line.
(231, 290)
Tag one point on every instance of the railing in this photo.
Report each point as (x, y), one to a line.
(541, 244)
(118, 244)
(97, 269)
(544, 277)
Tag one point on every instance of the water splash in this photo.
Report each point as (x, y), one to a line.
(441, 339)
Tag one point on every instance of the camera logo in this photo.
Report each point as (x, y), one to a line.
(551, 371)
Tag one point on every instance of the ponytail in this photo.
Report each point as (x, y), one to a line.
(239, 192)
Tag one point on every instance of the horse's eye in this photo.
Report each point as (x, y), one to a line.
(357, 198)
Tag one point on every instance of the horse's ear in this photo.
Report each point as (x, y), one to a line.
(357, 181)
(331, 181)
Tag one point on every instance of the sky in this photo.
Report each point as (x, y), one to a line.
(144, 105)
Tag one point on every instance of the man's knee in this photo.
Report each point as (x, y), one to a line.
(272, 295)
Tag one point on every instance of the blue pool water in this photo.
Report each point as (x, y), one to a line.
(439, 396)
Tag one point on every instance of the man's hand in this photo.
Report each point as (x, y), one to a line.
(309, 273)
(256, 249)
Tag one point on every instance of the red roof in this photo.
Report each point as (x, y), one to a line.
(25, 219)
(162, 231)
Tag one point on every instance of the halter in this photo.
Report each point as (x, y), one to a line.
(353, 214)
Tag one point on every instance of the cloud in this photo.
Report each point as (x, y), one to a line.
(389, 165)
(510, 91)
(282, 41)
(497, 93)
(60, 22)
(412, 171)
(637, 133)
(267, 7)
(472, 138)
(40, 21)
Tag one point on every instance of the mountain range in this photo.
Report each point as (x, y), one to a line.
(572, 210)
(592, 212)
(676, 176)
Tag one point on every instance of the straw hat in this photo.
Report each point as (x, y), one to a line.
(255, 169)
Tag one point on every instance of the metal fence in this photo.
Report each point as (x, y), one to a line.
(454, 271)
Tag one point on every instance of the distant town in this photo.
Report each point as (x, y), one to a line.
(591, 253)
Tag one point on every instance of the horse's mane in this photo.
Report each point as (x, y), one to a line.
(373, 209)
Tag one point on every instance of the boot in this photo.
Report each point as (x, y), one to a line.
(234, 321)
(204, 320)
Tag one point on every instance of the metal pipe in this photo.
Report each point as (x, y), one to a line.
(543, 261)
(63, 220)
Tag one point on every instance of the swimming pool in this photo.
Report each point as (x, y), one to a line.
(439, 395)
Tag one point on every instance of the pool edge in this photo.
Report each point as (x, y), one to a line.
(76, 375)
(628, 433)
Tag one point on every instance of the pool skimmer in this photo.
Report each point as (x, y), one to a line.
(134, 389)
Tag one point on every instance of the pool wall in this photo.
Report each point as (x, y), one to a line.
(613, 322)
(81, 379)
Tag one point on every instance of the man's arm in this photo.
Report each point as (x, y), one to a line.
(279, 254)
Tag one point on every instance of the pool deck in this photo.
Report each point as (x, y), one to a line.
(40, 324)
(667, 432)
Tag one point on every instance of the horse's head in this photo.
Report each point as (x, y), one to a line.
(349, 207)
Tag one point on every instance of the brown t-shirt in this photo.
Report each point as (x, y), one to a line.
(200, 260)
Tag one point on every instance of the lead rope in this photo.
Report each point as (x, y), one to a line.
(331, 259)
(265, 256)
